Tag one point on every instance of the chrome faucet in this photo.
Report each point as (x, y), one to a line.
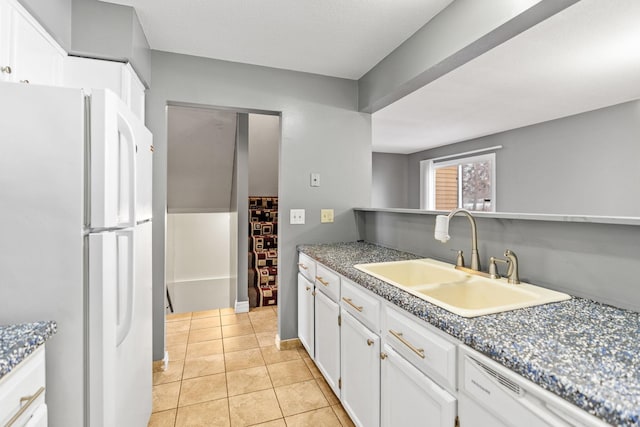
(442, 233)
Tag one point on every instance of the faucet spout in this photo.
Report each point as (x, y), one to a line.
(475, 257)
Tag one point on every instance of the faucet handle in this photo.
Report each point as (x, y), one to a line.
(512, 271)
(459, 258)
(493, 268)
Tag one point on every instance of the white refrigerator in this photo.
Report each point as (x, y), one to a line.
(75, 247)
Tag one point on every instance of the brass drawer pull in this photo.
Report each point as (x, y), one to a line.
(307, 287)
(321, 280)
(348, 301)
(29, 401)
(418, 351)
(304, 267)
(369, 342)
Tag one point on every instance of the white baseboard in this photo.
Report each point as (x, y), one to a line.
(242, 307)
(287, 344)
(162, 364)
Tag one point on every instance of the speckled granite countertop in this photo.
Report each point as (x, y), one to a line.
(19, 341)
(586, 352)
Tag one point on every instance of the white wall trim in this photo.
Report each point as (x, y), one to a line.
(242, 307)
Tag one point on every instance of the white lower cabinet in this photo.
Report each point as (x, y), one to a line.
(410, 398)
(327, 333)
(360, 372)
(22, 393)
(344, 326)
(306, 314)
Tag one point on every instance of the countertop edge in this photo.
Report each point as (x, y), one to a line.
(18, 341)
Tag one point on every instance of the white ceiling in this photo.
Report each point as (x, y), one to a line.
(584, 58)
(341, 38)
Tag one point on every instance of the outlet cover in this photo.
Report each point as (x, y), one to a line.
(326, 215)
(296, 216)
(315, 180)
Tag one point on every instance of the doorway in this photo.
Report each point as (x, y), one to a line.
(216, 158)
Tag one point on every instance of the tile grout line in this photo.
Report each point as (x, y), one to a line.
(184, 361)
(252, 323)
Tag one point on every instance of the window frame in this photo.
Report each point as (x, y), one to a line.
(427, 178)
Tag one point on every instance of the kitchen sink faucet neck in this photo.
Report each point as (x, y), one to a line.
(442, 233)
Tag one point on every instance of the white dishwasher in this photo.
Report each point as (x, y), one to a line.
(492, 395)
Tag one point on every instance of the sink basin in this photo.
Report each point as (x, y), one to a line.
(415, 272)
(459, 292)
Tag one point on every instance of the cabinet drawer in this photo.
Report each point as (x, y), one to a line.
(423, 347)
(328, 282)
(307, 267)
(362, 305)
(24, 381)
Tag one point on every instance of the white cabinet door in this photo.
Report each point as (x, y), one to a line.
(25, 380)
(360, 372)
(28, 52)
(409, 398)
(5, 33)
(305, 314)
(327, 332)
(87, 73)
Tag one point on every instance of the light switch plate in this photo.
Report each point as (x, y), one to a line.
(296, 216)
(315, 179)
(326, 215)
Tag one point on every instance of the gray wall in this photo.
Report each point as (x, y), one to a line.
(596, 261)
(389, 183)
(201, 144)
(583, 164)
(264, 150)
(461, 32)
(54, 16)
(241, 190)
(322, 131)
(110, 31)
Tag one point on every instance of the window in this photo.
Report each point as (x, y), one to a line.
(464, 182)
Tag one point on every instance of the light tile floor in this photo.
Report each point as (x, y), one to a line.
(224, 370)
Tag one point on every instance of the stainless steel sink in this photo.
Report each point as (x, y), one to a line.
(457, 291)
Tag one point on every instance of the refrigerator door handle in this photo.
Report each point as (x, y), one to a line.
(125, 284)
(124, 129)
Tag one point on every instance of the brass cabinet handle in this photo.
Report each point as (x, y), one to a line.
(307, 288)
(321, 280)
(304, 267)
(313, 293)
(23, 409)
(348, 301)
(383, 356)
(369, 342)
(6, 69)
(418, 351)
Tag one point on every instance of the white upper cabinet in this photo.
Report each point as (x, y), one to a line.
(28, 54)
(89, 73)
